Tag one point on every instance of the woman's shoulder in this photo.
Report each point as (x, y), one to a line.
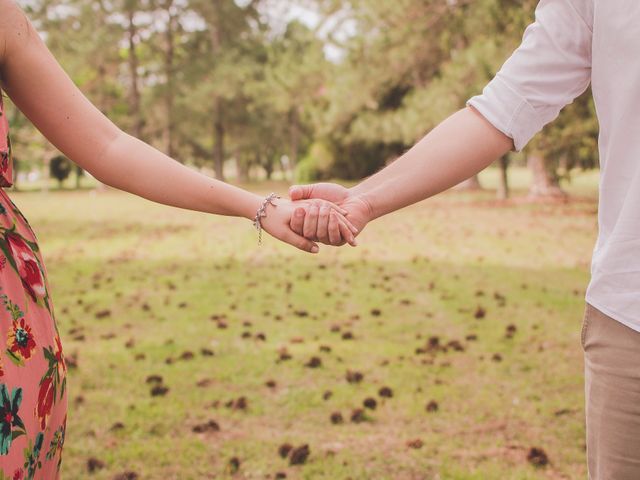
(14, 27)
(12, 18)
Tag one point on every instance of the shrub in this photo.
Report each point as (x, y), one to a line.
(316, 165)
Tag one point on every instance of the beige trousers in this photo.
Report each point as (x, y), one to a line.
(612, 394)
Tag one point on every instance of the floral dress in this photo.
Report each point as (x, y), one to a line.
(33, 400)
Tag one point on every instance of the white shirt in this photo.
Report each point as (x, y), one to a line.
(572, 43)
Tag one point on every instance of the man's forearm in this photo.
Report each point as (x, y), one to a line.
(458, 148)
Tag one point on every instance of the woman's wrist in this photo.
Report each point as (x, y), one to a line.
(225, 199)
(251, 206)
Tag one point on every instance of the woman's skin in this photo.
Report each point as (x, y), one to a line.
(40, 88)
(458, 148)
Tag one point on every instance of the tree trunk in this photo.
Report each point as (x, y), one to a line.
(268, 169)
(294, 133)
(242, 168)
(503, 184)
(46, 177)
(218, 125)
(267, 164)
(16, 169)
(79, 172)
(169, 68)
(134, 94)
(218, 143)
(470, 184)
(544, 182)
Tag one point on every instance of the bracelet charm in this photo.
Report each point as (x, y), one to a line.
(262, 212)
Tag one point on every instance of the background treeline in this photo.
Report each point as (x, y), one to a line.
(253, 90)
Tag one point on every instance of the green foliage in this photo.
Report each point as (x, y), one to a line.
(210, 81)
(306, 171)
(317, 165)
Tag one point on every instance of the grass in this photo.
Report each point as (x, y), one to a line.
(135, 284)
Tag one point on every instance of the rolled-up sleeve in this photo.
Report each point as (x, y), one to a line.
(550, 68)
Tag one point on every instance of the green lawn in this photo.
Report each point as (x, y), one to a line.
(141, 289)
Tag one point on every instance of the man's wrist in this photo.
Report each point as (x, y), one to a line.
(365, 199)
(356, 191)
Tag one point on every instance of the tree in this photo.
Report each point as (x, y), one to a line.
(409, 65)
(79, 175)
(503, 181)
(570, 141)
(131, 8)
(220, 65)
(60, 168)
(294, 78)
(214, 81)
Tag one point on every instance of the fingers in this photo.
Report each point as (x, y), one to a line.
(321, 203)
(300, 192)
(311, 222)
(345, 232)
(300, 242)
(322, 223)
(278, 224)
(332, 205)
(322, 233)
(297, 220)
(352, 229)
(326, 191)
(334, 229)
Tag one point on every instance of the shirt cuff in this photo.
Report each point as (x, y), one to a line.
(507, 111)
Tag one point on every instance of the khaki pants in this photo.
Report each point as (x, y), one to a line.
(612, 391)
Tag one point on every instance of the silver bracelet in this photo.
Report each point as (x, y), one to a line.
(262, 212)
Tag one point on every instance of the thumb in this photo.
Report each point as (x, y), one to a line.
(300, 192)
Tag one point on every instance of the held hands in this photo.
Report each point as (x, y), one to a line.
(280, 220)
(316, 223)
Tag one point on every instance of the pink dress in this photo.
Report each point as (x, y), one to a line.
(33, 399)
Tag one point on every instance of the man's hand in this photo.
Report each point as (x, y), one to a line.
(316, 224)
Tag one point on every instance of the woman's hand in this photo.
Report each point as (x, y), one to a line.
(279, 218)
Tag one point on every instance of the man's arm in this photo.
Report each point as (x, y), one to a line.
(461, 146)
(549, 69)
(458, 148)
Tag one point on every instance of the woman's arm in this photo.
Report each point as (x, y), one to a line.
(41, 89)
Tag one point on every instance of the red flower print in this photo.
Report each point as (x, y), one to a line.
(27, 266)
(59, 356)
(46, 395)
(19, 474)
(20, 342)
